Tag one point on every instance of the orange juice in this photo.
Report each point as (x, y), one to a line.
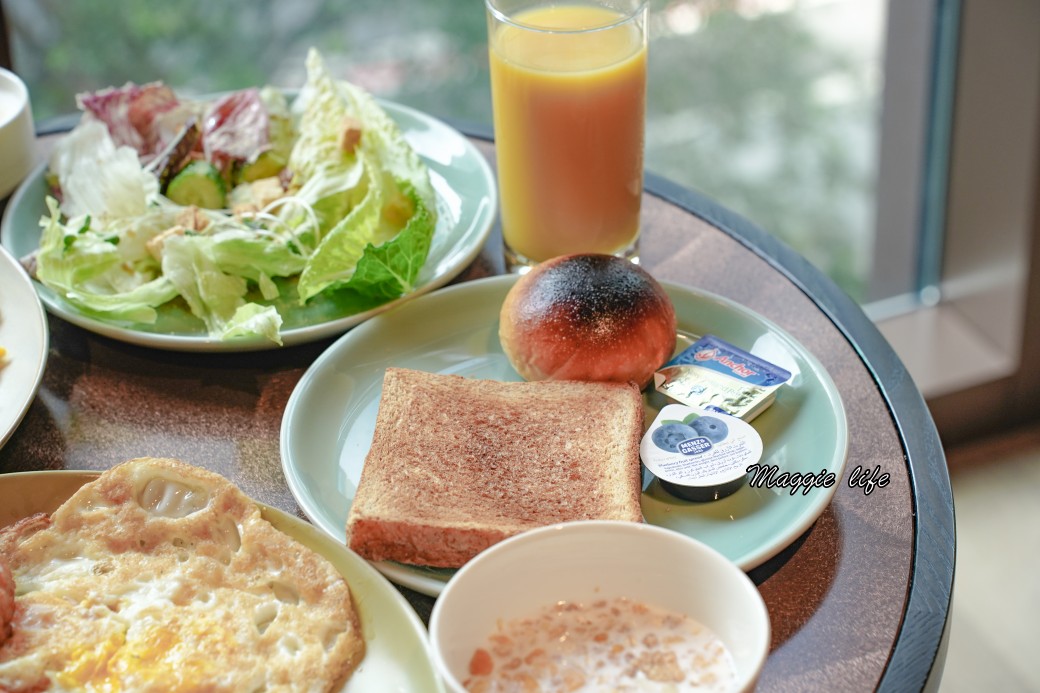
(569, 96)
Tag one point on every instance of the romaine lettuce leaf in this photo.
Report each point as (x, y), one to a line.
(84, 279)
(248, 254)
(215, 296)
(330, 192)
(253, 319)
(382, 140)
(335, 260)
(396, 193)
(89, 271)
(390, 269)
(211, 294)
(134, 305)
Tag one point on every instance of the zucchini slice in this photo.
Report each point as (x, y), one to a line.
(199, 184)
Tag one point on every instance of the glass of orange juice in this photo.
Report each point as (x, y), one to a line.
(568, 87)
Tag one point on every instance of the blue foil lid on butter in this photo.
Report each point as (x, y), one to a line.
(714, 374)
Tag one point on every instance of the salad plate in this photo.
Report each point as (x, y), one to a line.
(397, 652)
(329, 421)
(25, 338)
(466, 207)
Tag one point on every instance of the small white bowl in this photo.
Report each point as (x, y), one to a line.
(17, 132)
(592, 560)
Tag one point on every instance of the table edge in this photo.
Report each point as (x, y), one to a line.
(919, 652)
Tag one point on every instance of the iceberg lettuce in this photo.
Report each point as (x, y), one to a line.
(99, 178)
(213, 294)
(357, 219)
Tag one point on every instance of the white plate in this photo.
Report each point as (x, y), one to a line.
(467, 202)
(397, 651)
(329, 421)
(23, 333)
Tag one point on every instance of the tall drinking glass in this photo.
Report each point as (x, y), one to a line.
(568, 86)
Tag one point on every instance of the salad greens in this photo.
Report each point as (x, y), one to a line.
(348, 206)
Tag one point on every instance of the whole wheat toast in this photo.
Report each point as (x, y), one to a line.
(458, 464)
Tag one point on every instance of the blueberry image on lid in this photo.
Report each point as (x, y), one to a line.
(698, 455)
(711, 428)
(668, 436)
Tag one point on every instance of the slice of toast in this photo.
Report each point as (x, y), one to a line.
(458, 464)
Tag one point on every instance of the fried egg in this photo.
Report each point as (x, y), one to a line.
(161, 576)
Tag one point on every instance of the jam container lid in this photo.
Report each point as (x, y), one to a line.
(699, 454)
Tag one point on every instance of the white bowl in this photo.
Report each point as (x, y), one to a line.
(17, 132)
(592, 560)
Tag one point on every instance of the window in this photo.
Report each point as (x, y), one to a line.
(892, 142)
(771, 106)
(973, 343)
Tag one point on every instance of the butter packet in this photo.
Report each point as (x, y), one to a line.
(714, 374)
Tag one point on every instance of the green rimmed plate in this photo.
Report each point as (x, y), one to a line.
(397, 651)
(330, 418)
(467, 202)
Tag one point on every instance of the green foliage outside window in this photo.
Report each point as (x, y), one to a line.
(752, 108)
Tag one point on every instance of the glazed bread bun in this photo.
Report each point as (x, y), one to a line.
(587, 317)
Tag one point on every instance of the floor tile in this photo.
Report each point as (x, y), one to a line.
(995, 633)
(975, 663)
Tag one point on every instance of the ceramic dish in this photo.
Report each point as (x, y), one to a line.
(17, 138)
(330, 418)
(397, 656)
(24, 335)
(466, 207)
(582, 564)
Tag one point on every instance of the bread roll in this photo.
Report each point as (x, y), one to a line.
(587, 317)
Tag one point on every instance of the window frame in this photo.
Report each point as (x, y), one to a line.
(967, 331)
